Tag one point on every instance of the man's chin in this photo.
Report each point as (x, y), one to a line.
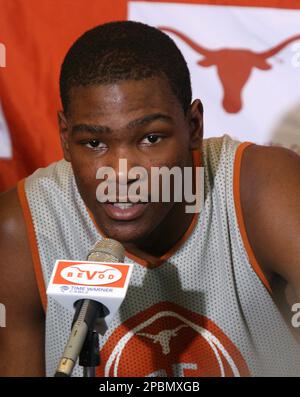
(126, 234)
(135, 231)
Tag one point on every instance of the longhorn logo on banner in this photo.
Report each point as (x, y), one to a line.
(243, 63)
(225, 61)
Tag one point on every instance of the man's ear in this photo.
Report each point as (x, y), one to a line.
(64, 134)
(195, 118)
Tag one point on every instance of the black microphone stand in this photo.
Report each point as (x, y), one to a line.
(89, 357)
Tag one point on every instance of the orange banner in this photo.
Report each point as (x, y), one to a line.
(36, 35)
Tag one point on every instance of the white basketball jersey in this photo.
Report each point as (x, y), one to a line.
(205, 310)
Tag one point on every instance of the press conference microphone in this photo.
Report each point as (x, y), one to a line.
(96, 288)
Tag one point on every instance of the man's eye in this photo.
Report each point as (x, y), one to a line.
(151, 139)
(95, 144)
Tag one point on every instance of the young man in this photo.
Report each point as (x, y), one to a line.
(211, 293)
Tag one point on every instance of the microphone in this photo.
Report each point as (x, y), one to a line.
(96, 288)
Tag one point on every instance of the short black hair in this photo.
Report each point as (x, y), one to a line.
(124, 50)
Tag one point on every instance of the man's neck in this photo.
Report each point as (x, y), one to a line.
(164, 238)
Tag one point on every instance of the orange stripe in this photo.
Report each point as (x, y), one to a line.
(186, 235)
(32, 243)
(197, 163)
(239, 213)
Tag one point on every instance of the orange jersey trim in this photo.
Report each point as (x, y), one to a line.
(197, 163)
(240, 218)
(32, 243)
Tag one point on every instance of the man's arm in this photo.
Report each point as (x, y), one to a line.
(22, 341)
(270, 195)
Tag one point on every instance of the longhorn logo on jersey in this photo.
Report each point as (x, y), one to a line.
(168, 340)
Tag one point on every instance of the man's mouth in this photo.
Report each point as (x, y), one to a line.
(125, 211)
(123, 206)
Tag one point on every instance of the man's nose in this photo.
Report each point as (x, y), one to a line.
(122, 160)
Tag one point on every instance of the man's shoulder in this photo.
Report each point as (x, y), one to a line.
(268, 175)
(270, 198)
(12, 224)
(19, 294)
(265, 162)
(14, 245)
(14, 242)
(16, 256)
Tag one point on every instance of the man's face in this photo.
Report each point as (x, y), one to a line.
(140, 121)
